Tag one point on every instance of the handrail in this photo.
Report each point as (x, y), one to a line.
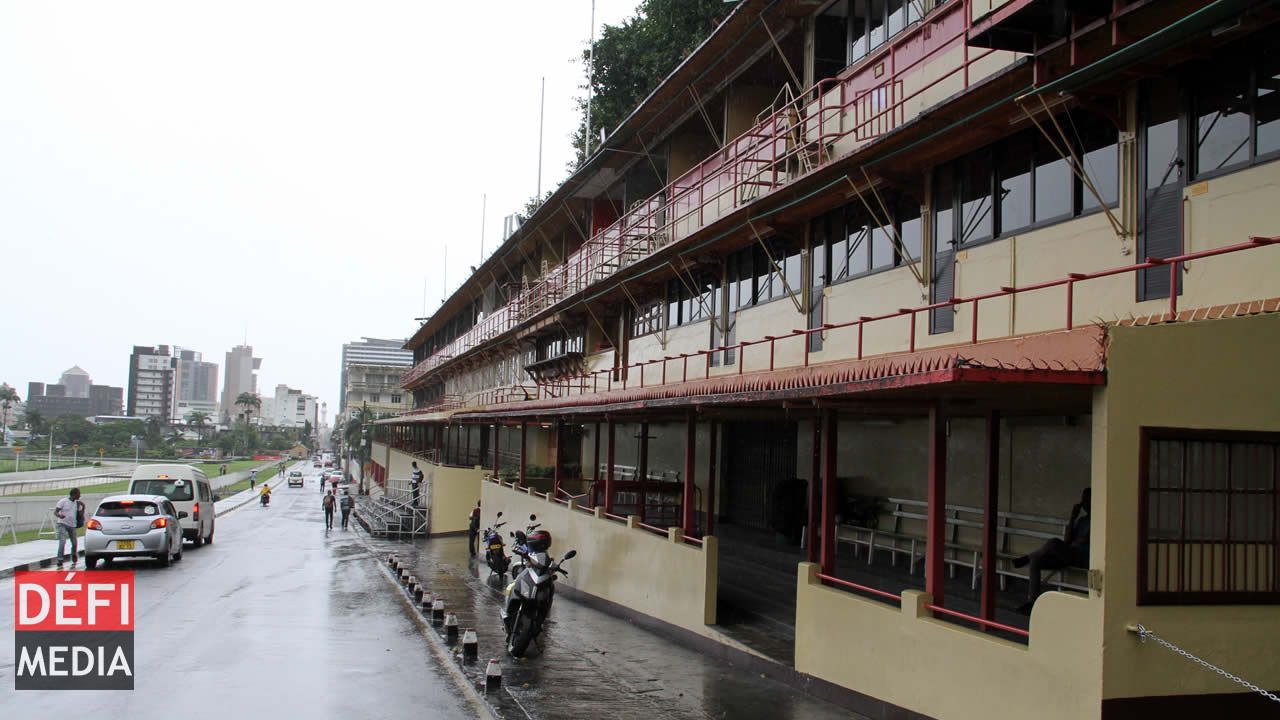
(787, 144)
(860, 588)
(979, 621)
(602, 380)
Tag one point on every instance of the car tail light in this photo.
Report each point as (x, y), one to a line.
(93, 524)
(160, 522)
(195, 512)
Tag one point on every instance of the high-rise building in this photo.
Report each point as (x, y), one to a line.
(54, 401)
(241, 377)
(195, 386)
(291, 408)
(371, 369)
(151, 382)
(77, 382)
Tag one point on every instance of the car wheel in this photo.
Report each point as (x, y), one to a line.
(209, 540)
(164, 558)
(199, 538)
(90, 562)
(178, 557)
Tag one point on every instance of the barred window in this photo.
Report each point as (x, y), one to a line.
(647, 320)
(1208, 530)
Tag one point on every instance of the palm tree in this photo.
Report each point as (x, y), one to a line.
(199, 420)
(249, 403)
(35, 422)
(8, 396)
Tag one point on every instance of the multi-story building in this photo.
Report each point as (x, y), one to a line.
(151, 382)
(865, 308)
(55, 400)
(241, 377)
(195, 386)
(371, 370)
(76, 381)
(290, 408)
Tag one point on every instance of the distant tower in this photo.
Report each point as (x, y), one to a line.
(324, 414)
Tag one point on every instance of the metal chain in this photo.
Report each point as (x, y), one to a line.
(1144, 634)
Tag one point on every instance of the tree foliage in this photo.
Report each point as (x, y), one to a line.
(631, 59)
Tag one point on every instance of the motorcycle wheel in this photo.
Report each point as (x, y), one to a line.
(521, 635)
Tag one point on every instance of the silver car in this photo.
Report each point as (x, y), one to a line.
(132, 526)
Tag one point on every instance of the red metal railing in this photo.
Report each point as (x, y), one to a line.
(988, 624)
(603, 380)
(791, 142)
(876, 592)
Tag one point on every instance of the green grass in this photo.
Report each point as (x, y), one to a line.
(212, 468)
(118, 486)
(234, 488)
(36, 463)
(29, 535)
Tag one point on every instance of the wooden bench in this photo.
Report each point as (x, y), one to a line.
(1016, 534)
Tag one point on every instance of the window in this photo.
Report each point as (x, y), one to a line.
(374, 397)
(1220, 108)
(976, 216)
(1207, 530)
(647, 320)
(1013, 167)
(1054, 199)
(1266, 99)
(395, 399)
(848, 30)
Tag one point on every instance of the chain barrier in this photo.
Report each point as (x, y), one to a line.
(1145, 634)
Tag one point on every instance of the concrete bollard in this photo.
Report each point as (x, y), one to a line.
(404, 574)
(492, 676)
(470, 645)
(451, 628)
(418, 591)
(437, 612)
(391, 559)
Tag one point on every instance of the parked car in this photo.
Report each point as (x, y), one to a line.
(134, 525)
(188, 489)
(295, 478)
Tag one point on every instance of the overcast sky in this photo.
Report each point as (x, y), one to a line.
(196, 174)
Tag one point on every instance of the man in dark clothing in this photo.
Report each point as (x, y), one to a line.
(348, 503)
(1071, 551)
(328, 504)
(416, 479)
(473, 529)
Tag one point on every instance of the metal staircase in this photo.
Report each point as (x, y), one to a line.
(393, 514)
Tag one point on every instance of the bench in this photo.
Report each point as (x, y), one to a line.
(1016, 534)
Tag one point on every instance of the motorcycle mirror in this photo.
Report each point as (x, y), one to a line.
(532, 517)
(571, 555)
(499, 513)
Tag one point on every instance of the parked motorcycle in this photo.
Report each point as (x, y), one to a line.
(530, 595)
(494, 548)
(518, 546)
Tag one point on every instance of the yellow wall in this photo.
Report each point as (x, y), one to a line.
(907, 658)
(650, 574)
(450, 492)
(1213, 374)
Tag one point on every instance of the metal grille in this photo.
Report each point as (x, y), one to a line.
(1210, 531)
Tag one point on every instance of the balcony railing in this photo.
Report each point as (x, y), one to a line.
(792, 141)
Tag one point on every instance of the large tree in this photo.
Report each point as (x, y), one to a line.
(631, 59)
(35, 422)
(249, 404)
(199, 420)
(8, 398)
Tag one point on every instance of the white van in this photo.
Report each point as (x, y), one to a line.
(189, 490)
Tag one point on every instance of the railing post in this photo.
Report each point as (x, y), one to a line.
(609, 464)
(1173, 290)
(936, 524)
(913, 331)
(973, 333)
(860, 324)
(643, 470)
(1071, 294)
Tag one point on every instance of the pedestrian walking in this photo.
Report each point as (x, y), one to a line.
(416, 479)
(328, 504)
(70, 514)
(473, 529)
(253, 479)
(348, 504)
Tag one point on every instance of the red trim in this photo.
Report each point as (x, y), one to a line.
(833, 580)
(980, 622)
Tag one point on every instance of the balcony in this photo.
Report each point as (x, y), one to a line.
(834, 118)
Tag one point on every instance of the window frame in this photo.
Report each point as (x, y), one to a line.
(1147, 597)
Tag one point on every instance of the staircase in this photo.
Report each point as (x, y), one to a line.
(393, 514)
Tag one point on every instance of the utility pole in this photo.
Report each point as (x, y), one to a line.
(591, 64)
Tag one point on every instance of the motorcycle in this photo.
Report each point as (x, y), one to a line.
(530, 595)
(518, 548)
(265, 499)
(494, 547)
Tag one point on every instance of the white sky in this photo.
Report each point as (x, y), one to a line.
(188, 173)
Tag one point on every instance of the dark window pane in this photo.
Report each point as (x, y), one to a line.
(831, 40)
(897, 16)
(975, 198)
(1100, 158)
(1054, 186)
(818, 263)
(1014, 175)
(1267, 109)
(857, 30)
(943, 216)
(764, 276)
(792, 268)
(882, 253)
(859, 245)
(1222, 120)
(1163, 159)
(875, 23)
(911, 229)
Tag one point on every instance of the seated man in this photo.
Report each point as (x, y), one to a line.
(1071, 551)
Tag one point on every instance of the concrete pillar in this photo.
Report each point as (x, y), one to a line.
(936, 525)
(687, 508)
(609, 462)
(827, 554)
(524, 443)
(990, 516)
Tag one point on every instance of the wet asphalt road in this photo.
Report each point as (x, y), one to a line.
(277, 619)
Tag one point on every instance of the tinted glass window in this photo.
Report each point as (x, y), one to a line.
(859, 246)
(975, 198)
(1222, 120)
(174, 489)
(911, 228)
(1162, 134)
(127, 509)
(943, 215)
(882, 253)
(875, 23)
(1100, 157)
(1053, 183)
(1014, 176)
(1267, 106)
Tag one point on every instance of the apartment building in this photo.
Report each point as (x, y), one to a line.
(195, 386)
(241, 377)
(290, 408)
(371, 370)
(151, 382)
(870, 299)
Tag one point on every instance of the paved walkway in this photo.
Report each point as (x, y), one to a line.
(37, 471)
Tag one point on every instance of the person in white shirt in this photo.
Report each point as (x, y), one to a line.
(68, 511)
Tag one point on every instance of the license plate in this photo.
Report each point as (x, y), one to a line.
(124, 544)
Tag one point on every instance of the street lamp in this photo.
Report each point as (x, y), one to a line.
(50, 466)
(75, 453)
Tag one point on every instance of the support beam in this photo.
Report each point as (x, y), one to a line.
(524, 444)
(990, 516)
(814, 500)
(608, 471)
(936, 525)
(827, 553)
(557, 461)
(711, 480)
(497, 463)
(687, 508)
(643, 469)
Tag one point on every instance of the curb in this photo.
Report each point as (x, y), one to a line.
(33, 565)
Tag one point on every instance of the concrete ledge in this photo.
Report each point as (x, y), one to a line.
(32, 565)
